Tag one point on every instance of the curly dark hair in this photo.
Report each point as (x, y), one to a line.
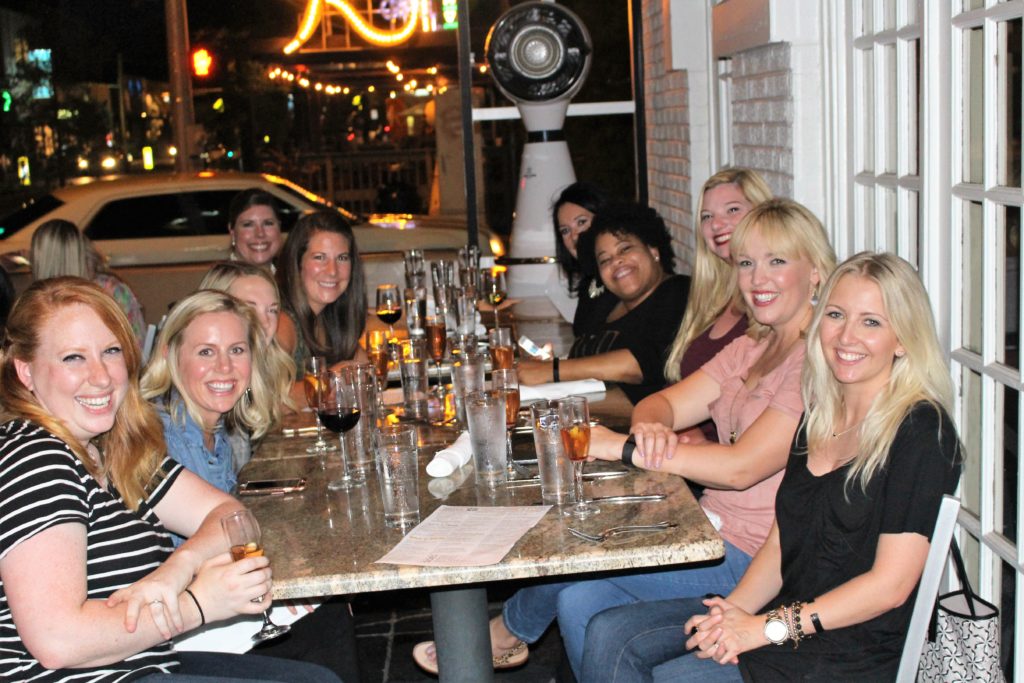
(622, 219)
(590, 197)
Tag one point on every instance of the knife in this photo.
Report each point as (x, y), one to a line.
(643, 498)
(535, 481)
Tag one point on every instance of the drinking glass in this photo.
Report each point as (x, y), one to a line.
(506, 381)
(389, 306)
(339, 411)
(315, 382)
(485, 416)
(415, 299)
(469, 266)
(398, 473)
(415, 268)
(378, 352)
(492, 282)
(574, 415)
(499, 340)
(244, 540)
(364, 379)
(437, 343)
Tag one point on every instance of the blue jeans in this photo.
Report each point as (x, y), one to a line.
(690, 668)
(530, 611)
(216, 667)
(624, 644)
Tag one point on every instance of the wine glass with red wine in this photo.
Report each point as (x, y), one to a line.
(339, 412)
(389, 307)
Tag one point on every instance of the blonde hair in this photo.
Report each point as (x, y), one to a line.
(793, 231)
(280, 364)
(920, 374)
(259, 408)
(59, 248)
(134, 446)
(712, 285)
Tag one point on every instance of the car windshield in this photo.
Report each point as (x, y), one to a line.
(30, 210)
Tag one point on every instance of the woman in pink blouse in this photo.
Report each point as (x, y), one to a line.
(751, 390)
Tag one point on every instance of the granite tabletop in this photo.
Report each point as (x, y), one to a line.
(324, 542)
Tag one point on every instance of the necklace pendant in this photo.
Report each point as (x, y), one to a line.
(732, 437)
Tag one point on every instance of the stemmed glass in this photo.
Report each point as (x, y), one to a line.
(389, 306)
(502, 351)
(574, 417)
(492, 281)
(378, 353)
(339, 410)
(314, 382)
(507, 382)
(244, 541)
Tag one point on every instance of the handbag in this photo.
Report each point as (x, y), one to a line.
(963, 638)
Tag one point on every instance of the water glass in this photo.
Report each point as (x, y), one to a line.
(415, 387)
(415, 268)
(467, 377)
(398, 471)
(556, 475)
(365, 382)
(485, 413)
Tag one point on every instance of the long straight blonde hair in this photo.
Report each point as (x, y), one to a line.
(712, 285)
(920, 374)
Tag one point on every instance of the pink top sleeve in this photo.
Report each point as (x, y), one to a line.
(746, 516)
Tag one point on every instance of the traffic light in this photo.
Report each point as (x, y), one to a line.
(202, 62)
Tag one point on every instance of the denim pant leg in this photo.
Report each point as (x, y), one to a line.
(578, 604)
(217, 667)
(693, 668)
(529, 612)
(625, 643)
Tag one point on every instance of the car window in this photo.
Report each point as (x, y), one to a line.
(29, 211)
(212, 207)
(160, 215)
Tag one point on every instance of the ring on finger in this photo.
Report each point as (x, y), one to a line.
(156, 602)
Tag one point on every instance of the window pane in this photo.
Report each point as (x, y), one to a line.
(888, 14)
(912, 223)
(972, 276)
(973, 4)
(911, 12)
(970, 425)
(1010, 225)
(914, 105)
(1009, 105)
(867, 111)
(970, 434)
(974, 84)
(891, 97)
(866, 216)
(889, 211)
(1006, 522)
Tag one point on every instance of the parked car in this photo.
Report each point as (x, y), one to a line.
(161, 232)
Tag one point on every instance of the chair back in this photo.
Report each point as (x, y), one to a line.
(928, 589)
(147, 344)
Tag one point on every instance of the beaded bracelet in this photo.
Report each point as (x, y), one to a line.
(796, 629)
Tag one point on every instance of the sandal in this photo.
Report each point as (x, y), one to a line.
(509, 659)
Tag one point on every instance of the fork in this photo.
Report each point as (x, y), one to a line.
(615, 530)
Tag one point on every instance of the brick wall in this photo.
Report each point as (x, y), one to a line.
(762, 112)
(668, 148)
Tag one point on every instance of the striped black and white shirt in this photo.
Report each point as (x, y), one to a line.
(43, 484)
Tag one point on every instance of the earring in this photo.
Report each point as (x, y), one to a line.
(814, 296)
(900, 354)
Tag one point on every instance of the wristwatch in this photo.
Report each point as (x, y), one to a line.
(775, 629)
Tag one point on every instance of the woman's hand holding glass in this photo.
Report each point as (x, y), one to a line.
(225, 588)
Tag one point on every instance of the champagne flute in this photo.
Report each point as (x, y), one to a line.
(389, 306)
(574, 416)
(437, 340)
(507, 382)
(339, 411)
(502, 350)
(378, 353)
(314, 382)
(244, 541)
(492, 281)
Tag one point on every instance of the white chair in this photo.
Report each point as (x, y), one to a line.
(928, 589)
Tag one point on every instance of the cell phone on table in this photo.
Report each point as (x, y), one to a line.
(271, 487)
